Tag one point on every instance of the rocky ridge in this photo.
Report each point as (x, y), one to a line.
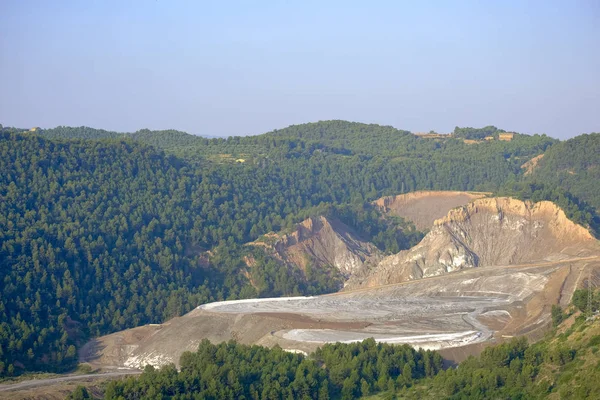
(485, 232)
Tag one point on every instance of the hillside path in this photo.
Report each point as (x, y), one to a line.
(464, 272)
(51, 381)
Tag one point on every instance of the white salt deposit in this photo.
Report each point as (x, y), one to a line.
(426, 341)
(217, 304)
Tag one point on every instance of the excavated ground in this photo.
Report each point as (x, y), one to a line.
(455, 313)
(424, 207)
(489, 270)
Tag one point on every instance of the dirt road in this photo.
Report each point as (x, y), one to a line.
(471, 319)
(464, 272)
(51, 381)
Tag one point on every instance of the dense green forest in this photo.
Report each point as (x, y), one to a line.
(574, 165)
(360, 142)
(477, 133)
(234, 371)
(169, 140)
(101, 231)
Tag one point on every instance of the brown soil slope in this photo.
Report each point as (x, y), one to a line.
(531, 165)
(321, 242)
(485, 232)
(424, 207)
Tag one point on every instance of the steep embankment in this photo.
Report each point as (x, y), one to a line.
(485, 232)
(424, 207)
(321, 242)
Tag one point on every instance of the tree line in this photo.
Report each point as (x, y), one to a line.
(234, 371)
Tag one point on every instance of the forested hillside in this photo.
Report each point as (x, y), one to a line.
(569, 175)
(574, 165)
(92, 240)
(330, 137)
(169, 140)
(233, 371)
(98, 236)
(99, 232)
(477, 133)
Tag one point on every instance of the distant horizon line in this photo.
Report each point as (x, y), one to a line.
(416, 132)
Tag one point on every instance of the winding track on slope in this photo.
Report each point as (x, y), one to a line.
(466, 272)
(51, 381)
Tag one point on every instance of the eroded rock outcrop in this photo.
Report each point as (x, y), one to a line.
(322, 242)
(485, 232)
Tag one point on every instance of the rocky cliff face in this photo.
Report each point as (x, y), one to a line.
(485, 232)
(322, 242)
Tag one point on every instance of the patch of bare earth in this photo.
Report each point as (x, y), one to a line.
(424, 207)
(321, 242)
(531, 165)
(465, 310)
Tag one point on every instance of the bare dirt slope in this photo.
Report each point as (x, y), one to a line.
(424, 207)
(455, 313)
(321, 242)
(485, 232)
(531, 165)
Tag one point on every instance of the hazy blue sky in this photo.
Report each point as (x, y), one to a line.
(245, 67)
